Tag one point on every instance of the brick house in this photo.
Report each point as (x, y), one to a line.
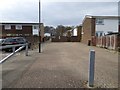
(27, 30)
(91, 24)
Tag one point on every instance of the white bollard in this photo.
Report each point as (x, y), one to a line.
(91, 68)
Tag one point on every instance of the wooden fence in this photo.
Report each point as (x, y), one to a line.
(108, 41)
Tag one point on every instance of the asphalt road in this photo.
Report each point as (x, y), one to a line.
(60, 65)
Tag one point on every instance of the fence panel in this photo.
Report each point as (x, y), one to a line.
(109, 41)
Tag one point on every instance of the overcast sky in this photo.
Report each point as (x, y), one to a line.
(64, 12)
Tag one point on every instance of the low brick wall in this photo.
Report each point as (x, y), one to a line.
(65, 39)
(55, 40)
(60, 39)
(74, 39)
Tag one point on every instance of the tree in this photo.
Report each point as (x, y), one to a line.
(62, 29)
(50, 29)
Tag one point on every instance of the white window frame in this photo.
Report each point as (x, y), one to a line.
(18, 27)
(27, 34)
(99, 21)
(8, 34)
(35, 29)
(7, 27)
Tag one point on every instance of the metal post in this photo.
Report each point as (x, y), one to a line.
(1, 61)
(91, 68)
(39, 30)
(40, 45)
(13, 49)
(26, 52)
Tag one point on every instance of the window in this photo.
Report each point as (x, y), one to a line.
(101, 34)
(18, 27)
(20, 34)
(27, 34)
(17, 35)
(97, 34)
(100, 21)
(8, 34)
(35, 27)
(7, 27)
(35, 30)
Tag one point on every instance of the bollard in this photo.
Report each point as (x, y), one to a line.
(41, 48)
(13, 49)
(4, 59)
(91, 68)
(26, 52)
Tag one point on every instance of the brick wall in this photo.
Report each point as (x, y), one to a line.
(88, 30)
(26, 30)
(74, 39)
(79, 30)
(66, 39)
(60, 39)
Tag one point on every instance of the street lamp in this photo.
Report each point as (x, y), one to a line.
(40, 49)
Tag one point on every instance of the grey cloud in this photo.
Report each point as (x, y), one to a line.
(21, 11)
(55, 13)
(73, 13)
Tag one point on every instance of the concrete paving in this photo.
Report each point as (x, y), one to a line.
(60, 65)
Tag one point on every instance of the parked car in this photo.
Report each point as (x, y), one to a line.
(14, 41)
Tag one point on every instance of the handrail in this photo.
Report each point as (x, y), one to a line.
(14, 51)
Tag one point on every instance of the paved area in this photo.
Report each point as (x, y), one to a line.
(60, 65)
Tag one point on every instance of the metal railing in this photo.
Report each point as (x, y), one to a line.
(21, 46)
